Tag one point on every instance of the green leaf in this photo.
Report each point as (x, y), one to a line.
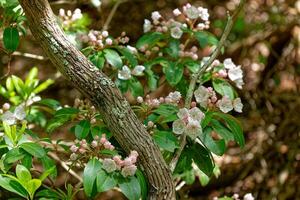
(152, 80)
(166, 140)
(173, 48)
(234, 126)
(113, 58)
(166, 110)
(89, 176)
(202, 158)
(128, 55)
(23, 174)
(51, 103)
(43, 86)
(173, 72)
(223, 88)
(34, 149)
(13, 155)
(82, 129)
(13, 186)
(136, 88)
(48, 165)
(11, 38)
(222, 130)
(131, 188)
(149, 39)
(217, 147)
(97, 59)
(184, 161)
(105, 181)
(46, 173)
(143, 183)
(205, 38)
(32, 186)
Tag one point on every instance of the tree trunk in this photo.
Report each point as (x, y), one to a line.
(103, 93)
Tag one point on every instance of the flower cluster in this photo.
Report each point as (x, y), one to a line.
(102, 39)
(206, 97)
(98, 39)
(69, 17)
(189, 16)
(172, 98)
(233, 72)
(126, 166)
(125, 73)
(90, 110)
(11, 118)
(188, 122)
(83, 147)
(192, 53)
(226, 104)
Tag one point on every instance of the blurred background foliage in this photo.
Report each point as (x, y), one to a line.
(265, 41)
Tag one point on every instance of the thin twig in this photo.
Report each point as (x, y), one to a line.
(112, 13)
(196, 76)
(65, 166)
(29, 55)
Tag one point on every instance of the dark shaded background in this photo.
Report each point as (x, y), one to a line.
(265, 42)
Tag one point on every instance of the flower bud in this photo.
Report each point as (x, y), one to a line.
(6, 106)
(139, 99)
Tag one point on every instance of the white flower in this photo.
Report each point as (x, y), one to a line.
(155, 16)
(176, 32)
(176, 12)
(132, 49)
(193, 128)
(203, 13)
(192, 12)
(235, 73)
(174, 97)
(225, 104)
(248, 196)
(108, 41)
(104, 34)
(178, 126)
(196, 114)
(128, 170)
(237, 105)
(228, 64)
(76, 14)
(147, 26)
(201, 26)
(125, 73)
(138, 70)
(239, 83)
(11, 118)
(202, 95)
(188, 122)
(109, 165)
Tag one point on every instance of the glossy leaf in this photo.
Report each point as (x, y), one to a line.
(131, 188)
(34, 149)
(105, 181)
(113, 58)
(11, 38)
(166, 140)
(90, 172)
(82, 129)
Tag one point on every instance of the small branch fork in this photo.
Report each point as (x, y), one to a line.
(230, 22)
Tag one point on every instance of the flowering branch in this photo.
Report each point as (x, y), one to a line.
(230, 22)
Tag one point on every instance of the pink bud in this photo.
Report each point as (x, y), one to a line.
(107, 145)
(94, 143)
(82, 151)
(6, 106)
(74, 148)
(139, 99)
(193, 104)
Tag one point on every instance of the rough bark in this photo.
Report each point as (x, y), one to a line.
(103, 93)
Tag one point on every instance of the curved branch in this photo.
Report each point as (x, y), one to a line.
(103, 93)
